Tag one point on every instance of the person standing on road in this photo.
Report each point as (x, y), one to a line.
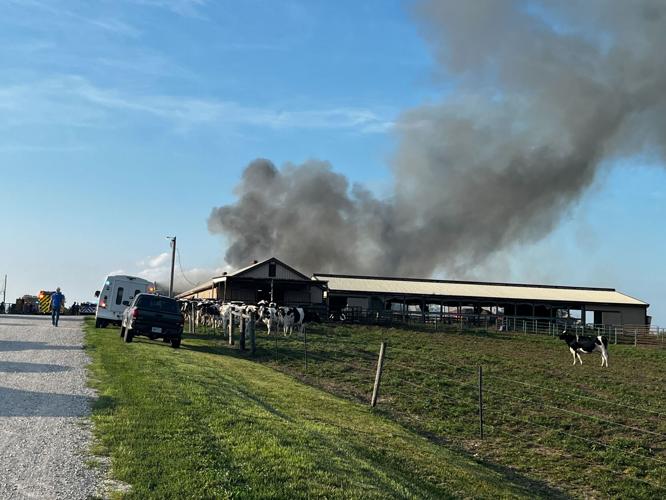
(56, 303)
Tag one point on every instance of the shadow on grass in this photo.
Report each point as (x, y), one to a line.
(104, 405)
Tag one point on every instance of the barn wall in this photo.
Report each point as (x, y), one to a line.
(240, 294)
(619, 315)
(358, 302)
(297, 296)
(633, 315)
(316, 295)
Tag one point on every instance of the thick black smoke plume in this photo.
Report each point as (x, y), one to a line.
(541, 95)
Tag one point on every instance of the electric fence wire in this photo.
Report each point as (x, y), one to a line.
(571, 412)
(579, 396)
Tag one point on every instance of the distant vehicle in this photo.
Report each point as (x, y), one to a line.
(155, 317)
(87, 308)
(116, 295)
(44, 298)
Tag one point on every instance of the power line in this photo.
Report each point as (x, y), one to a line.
(180, 265)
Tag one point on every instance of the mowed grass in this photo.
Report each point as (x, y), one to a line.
(200, 423)
(584, 430)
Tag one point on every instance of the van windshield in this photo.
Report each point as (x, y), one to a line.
(157, 303)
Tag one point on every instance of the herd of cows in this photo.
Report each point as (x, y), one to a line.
(214, 314)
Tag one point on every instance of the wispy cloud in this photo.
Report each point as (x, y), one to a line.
(187, 8)
(74, 100)
(58, 14)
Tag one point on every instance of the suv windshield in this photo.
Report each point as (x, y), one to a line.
(157, 303)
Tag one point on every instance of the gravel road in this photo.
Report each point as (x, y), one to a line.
(44, 410)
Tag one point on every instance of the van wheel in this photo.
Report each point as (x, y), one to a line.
(129, 335)
(175, 343)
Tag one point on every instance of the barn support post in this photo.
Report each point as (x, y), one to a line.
(378, 375)
(615, 328)
(241, 340)
(635, 337)
(481, 402)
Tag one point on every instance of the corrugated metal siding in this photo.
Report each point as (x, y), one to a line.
(507, 292)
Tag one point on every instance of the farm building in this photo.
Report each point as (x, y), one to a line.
(270, 280)
(603, 306)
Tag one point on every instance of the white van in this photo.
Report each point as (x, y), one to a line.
(116, 294)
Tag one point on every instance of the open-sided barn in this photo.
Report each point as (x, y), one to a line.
(609, 306)
(275, 281)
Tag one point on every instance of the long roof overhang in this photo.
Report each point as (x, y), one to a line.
(476, 290)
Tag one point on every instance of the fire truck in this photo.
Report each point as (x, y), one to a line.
(44, 298)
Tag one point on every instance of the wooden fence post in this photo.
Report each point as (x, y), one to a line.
(378, 375)
(481, 402)
(243, 324)
(635, 338)
(305, 349)
(252, 326)
(231, 329)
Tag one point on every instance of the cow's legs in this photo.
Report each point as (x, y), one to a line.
(574, 355)
(581, 361)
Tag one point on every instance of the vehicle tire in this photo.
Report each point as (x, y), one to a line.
(122, 331)
(175, 343)
(129, 335)
(98, 323)
(166, 340)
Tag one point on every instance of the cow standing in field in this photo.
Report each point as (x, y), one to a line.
(586, 345)
(291, 317)
(267, 314)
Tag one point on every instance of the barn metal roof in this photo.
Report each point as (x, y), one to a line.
(501, 291)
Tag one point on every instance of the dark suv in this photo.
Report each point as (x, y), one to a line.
(153, 316)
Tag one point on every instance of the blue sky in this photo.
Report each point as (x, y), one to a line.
(123, 121)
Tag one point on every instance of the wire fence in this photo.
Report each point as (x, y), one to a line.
(636, 335)
(447, 401)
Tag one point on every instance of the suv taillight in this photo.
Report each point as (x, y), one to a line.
(135, 313)
(102, 305)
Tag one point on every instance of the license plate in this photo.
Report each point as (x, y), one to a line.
(156, 329)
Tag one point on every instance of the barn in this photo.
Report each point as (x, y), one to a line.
(428, 297)
(270, 280)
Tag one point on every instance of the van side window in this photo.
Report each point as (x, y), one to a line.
(119, 295)
(137, 292)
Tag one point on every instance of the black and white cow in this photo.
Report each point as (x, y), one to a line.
(267, 314)
(291, 317)
(586, 345)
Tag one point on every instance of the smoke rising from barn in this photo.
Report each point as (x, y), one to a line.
(539, 97)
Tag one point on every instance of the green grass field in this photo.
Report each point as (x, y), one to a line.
(586, 431)
(205, 422)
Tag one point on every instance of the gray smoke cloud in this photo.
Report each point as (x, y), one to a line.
(539, 96)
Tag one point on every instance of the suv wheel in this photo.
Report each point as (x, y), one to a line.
(129, 335)
(98, 323)
(175, 343)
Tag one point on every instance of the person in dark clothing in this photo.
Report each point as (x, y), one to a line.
(57, 299)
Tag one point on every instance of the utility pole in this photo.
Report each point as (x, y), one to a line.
(4, 292)
(173, 262)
